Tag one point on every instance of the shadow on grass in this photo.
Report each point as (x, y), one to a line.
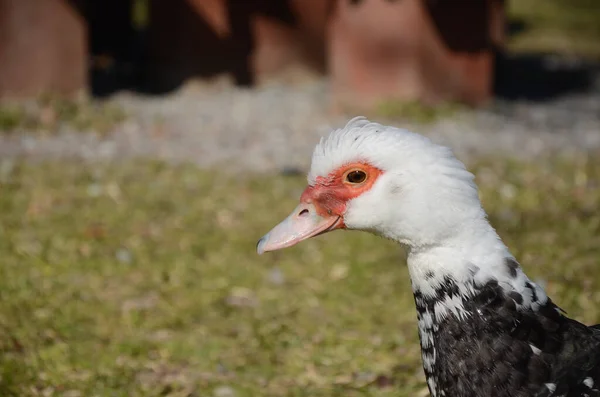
(541, 77)
(537, 75)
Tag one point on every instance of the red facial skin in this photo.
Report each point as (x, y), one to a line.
(331, 194)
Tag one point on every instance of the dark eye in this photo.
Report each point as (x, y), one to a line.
(356, 176)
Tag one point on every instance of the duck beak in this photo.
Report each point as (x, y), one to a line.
(303, 223)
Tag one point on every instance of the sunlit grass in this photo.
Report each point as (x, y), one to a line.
(417, 112)
(48, 113)
(141, 279)
(562, 26)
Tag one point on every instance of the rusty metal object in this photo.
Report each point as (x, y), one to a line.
(249, 39)
(426, 50)
(42, 48)
(374, 50)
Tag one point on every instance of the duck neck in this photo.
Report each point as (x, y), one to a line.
(453, 282)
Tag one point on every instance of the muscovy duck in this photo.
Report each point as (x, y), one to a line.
(485, 328)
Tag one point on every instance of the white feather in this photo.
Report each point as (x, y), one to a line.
(426, 200)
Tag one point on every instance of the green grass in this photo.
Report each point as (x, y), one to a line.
(562, 26)
(141, 279)
(416, 111)
(49, 112)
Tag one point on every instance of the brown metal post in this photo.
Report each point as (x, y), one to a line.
(43, 48)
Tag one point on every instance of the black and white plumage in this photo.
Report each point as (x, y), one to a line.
(501, 349)
(485, 328)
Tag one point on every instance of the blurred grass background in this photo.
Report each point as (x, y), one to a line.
(558, 26)
(141, 278)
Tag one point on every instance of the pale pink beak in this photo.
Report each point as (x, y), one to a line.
(303, 223)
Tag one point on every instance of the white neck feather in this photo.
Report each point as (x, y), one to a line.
(471, 259)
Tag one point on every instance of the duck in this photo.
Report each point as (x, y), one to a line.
(485, 328)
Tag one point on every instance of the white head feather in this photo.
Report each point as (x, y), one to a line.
(425, 196)
(425, 199)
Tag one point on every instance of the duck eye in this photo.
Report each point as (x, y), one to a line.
(356, 176)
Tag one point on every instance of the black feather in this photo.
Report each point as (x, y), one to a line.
(500, 350)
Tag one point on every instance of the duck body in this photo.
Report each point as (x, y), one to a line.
(485, 328)
(495, 349)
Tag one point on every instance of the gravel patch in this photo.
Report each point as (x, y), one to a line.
(275, 127)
